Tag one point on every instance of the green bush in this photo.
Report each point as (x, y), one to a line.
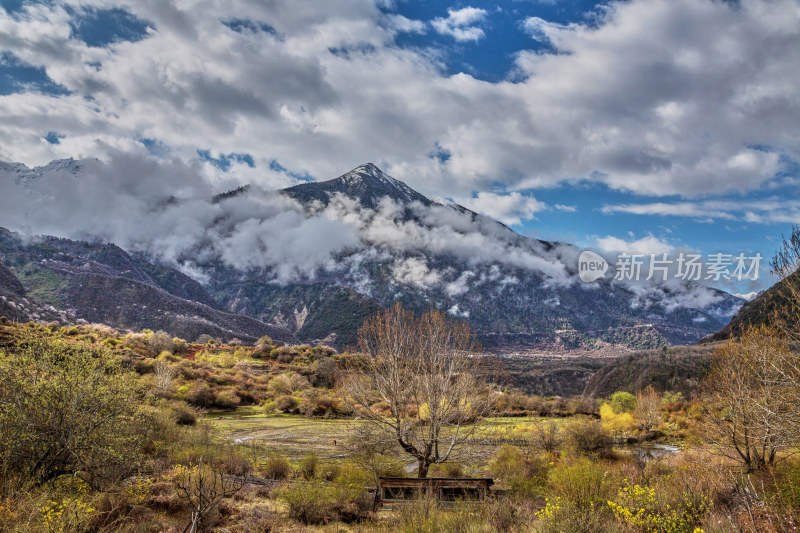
(352, 474)
(583, 484)
(178, 345)
(308, 466)
(160, 341)
(67, 408)
(524, 474)
(225, 458)
(623, 402)
(317, 503)
(449, 469)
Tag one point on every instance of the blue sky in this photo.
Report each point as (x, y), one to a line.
(490, 57)
(663, 123)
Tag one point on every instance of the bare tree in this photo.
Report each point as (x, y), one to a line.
(787, 260)
(752, 392)
(548, 437)
(420, 384)
(164, 373)
(202, 489)
(648, 408)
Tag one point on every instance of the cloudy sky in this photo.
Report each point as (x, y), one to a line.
(649, 125)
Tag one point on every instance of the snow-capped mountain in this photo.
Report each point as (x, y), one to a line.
(518, 293)
(318, 258)
(368, 184)
(22, 174)
(747, 296)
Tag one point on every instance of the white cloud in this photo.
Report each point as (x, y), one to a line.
(459, 24)
(461, 285)
(166, 208)
(406, 25)
(645, 245)
(511, 209)
(701, 84)
(415, 271)
(772, 210)
(540, 29)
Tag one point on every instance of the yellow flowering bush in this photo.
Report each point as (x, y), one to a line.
(550, 510)
(614, 422)
(638, 507)
(66, 515)
(67, 511)
(138, 490)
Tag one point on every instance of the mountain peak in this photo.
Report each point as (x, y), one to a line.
(368, 168)
(24, 175)
(366, 183)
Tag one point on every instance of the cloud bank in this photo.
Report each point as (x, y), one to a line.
(657, 97)
(167, 209)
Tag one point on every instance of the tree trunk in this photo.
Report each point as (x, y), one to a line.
(422, 472)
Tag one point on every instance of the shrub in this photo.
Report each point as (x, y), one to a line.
(587, 436)
(160, 341)
(672, 401)
(308, 466)
(319, 405)
(583, 405)
(449, 469)
(524, 474)
(547, 437)
(227, 399)
(352, 474)
(178, 345)
(225, 458)
(560, 516)
(286, 403)
(200, 394)
(67, 408)
(638, 508)
(324, 373)
(623, 402)
(319, 503)
(616, 422)
(583, 483)
(266, 340)
(276, 466)
(309, 504)
(185, 416)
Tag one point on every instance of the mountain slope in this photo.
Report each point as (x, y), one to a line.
(518, 293)
(763, 309)
(102, 283)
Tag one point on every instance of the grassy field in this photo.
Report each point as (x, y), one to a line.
(296, 436)
(292, 435)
